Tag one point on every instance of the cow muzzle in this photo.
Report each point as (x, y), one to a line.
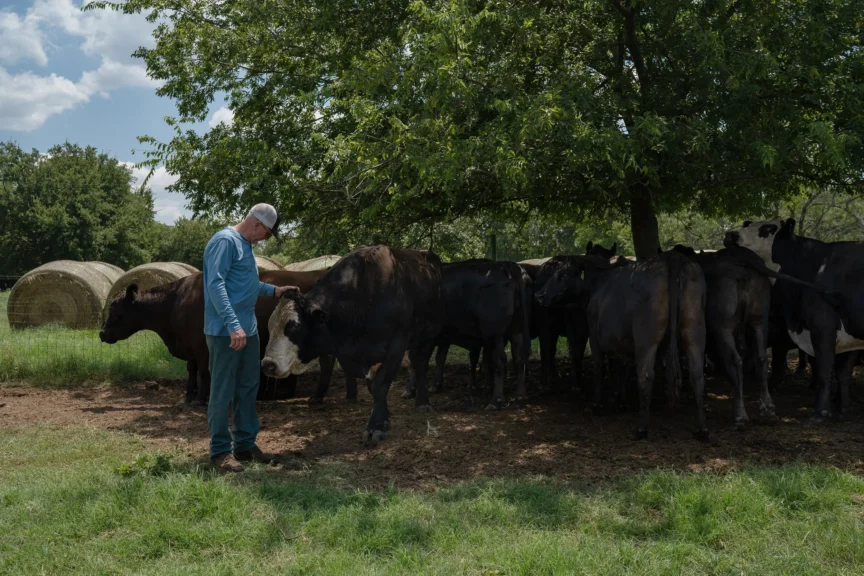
(731, 239)
(270, 368)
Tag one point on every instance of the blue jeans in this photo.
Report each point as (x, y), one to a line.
(234, 378)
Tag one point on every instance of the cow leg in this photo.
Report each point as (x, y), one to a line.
(203, 385)
(379, 419)
(547, 361)
(518, 350)
(495, 363)
(802, 363)
(766, 403)
(440, 360)
(779, 353)
(473, 360)
(326, 362)
(191, 380)
(823, 365)
(599, 363)
(645, 359)
(577, 338)
(844, 365)
(724, 341)
(419, 356)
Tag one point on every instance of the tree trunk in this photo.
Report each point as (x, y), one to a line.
(643, 223)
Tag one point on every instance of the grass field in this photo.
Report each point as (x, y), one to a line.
(54, 356)
(96, 502)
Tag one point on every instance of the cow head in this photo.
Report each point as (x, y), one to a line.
(298, 335)
(123, 318)
(597, 250)
(565, 286)
(760, 236)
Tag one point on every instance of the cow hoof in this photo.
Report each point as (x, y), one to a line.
(373, 437)
(702, 435)
(767, 414)
(351, 400)
(640, 435)
(424, 408)
(521, 401)
(738, 425)
(839, 417)
(408, 394)
(434, 389)
(492, 407)
(314, 400)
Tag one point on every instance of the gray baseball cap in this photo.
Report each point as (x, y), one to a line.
(267, 215)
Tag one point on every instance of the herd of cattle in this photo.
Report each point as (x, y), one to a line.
(379, 308)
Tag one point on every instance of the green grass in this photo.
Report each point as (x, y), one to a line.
(56, 356)
(80, 501)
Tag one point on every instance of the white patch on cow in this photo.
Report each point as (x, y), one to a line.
(803, 341)
(844, 342)
(280, 349)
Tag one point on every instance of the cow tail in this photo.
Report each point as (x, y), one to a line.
(527, 303)
(673, 359)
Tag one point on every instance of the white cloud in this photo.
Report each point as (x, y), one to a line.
(28, 100)
(223, 114)
(169, 206)
(112, 75)
(21, 39)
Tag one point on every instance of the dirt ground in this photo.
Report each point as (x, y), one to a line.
(552, 436)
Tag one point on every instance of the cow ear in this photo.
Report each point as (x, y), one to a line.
(614, 248)
(747, 223)
(131, 292)
(789, 224)
(588, 248)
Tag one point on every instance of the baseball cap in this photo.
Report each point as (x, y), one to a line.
(266, 214)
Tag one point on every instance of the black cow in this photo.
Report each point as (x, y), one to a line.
(737, 305)
(550, 322)
(821, 325)
(372, 306)
(488, 304)
(635, 308)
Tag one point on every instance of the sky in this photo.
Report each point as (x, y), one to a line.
(70, 75)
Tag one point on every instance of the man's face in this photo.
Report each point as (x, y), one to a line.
(262, 232)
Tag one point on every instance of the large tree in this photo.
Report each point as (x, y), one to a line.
(71, 203)
(383, 114)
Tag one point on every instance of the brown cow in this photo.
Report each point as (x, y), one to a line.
(175, 312)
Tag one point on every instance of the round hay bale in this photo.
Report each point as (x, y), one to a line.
(147, 276)
(188, 267)
(265, 263)
(63, 292)
(319, 263)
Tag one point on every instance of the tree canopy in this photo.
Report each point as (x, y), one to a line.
(71, 203)
(372, 117)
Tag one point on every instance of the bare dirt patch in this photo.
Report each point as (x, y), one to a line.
(551, 436)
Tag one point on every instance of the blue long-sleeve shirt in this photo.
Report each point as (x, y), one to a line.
(231, 285)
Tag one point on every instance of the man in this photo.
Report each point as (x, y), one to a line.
(231, 288)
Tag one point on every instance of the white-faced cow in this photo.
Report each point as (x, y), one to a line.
(372, 306)
(822, 326)
(633, 311)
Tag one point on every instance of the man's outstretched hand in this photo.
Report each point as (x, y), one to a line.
(280, 290)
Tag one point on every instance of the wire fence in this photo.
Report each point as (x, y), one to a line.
(56, 354)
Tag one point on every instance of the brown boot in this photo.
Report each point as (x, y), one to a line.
(226, 462)
(255, 454)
